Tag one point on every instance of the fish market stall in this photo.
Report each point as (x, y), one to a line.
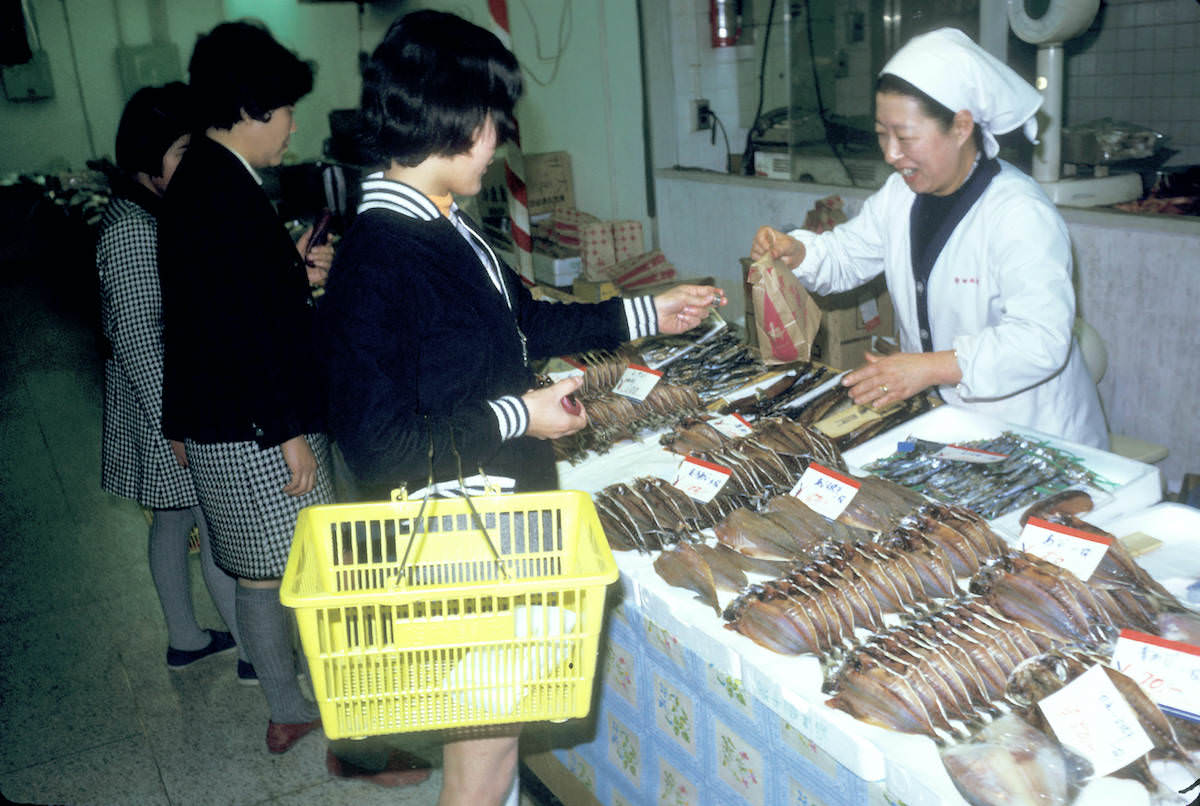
(697, 706)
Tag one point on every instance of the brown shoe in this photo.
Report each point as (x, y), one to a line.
(402, 769)
(282, 735)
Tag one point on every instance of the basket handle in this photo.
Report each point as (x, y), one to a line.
(490, 488)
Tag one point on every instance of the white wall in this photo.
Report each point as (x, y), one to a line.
(592, 108)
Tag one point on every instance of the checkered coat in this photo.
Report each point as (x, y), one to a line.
(136, 460)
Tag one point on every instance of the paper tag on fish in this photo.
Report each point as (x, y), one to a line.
(1073, 549)
(1090, 717)
(732, 425)
(637, 381)
(961, 453)
(847, 420)
(1168, 671)
(701, 480)
(826, 491)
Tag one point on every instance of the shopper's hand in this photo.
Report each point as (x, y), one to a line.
(776, 244)
(889, 379)
(317, 261)
(685, 306)
(179, 451)
(303, 464)
(548, 417)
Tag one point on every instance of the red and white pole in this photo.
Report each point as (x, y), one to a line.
(514, 164)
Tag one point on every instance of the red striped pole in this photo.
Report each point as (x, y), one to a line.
(514, 165)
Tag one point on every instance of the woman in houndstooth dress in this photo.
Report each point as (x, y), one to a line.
(136, 461)
(238, 379)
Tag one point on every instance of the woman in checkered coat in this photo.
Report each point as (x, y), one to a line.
(137, 462)
(238, 379)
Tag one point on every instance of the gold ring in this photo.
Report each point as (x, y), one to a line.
(884, 388)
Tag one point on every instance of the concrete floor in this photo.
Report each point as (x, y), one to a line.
(89, 713)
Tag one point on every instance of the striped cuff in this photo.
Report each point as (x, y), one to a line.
(642, 317)
(511, 416)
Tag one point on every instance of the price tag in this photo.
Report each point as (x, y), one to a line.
(961, 453)
(825, 491)
(1090, 717)
(1073, 549)
(1168, 671)
(637, 381)
(731, 425)
(701, 480)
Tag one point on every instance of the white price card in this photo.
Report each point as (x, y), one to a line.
(825, 491)
(1090, 717)
(732, 425)
(637, 381)
(1168, 671)
(1073, 549)
(961, 453)
(701, 480)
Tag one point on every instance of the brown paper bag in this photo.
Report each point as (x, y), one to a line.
(786, 317)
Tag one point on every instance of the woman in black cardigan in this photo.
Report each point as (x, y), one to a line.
(239, 389)
(428, 336)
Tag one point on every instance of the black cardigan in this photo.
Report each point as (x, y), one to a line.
(237, 313)
(418, 339)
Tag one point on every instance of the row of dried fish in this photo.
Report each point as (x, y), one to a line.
(613, 417)
(776, 398)
(714, 367)
(1029, 470)
(794, 443)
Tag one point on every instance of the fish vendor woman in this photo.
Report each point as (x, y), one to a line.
(977, 259)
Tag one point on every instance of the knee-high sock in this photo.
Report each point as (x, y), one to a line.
(168, 552)
(265, 628)
(221, 586)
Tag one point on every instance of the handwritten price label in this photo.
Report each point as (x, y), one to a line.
(701, 480)
(637, 381)
(1077, 551)
(825, 491)
(961, 453)
(731, 425)
(1168, 671)
(1090, 717)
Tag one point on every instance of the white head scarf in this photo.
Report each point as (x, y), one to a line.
(948, 67)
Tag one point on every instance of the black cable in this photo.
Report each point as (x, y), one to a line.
(748, 153)
(821, 113)
(713, 137)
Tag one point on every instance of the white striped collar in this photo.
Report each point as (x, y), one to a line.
(381, 193)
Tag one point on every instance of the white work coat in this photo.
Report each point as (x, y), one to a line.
(1000, 296)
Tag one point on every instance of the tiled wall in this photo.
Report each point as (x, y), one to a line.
(1138, 63)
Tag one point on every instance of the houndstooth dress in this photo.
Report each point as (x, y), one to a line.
(136, 460)
(250, 519)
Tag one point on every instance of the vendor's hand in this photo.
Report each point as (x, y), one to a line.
(892, 378)
(303, 464)
(769, 241)
(685, 306)
(548, 418)
(179, 451)
(317, 261)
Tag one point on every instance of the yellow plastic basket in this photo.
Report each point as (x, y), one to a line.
(456, 638)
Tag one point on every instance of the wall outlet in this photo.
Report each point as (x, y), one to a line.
(701, 115)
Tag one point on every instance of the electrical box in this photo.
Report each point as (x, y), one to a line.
(30, 81)
(147, 66)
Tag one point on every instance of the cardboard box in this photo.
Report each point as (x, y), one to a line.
(548, 184)
(556, 265)
(849, 322)
(592, 291)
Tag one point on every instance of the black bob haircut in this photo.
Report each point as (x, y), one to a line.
(891, 84)
(153, 119)
(239, 66)
(430, 85)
